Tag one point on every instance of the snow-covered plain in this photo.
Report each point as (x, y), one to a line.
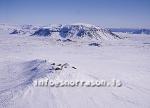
(124, 59)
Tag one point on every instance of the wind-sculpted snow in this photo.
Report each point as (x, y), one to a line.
(23, 76)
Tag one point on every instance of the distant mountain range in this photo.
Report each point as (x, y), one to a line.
(72, 31)
(131, 31)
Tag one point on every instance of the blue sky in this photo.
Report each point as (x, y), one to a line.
(106, 13)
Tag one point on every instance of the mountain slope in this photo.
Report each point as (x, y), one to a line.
(78, 31)
(73, 31)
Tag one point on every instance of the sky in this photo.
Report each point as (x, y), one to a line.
(104, 13)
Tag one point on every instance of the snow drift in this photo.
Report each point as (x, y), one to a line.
(24, 74)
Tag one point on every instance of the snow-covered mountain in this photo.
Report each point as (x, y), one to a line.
(77, 31)
(18, 29)
(131, 31)
(73, 31)
(142, 31)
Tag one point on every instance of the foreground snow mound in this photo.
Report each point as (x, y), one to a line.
(19, 77)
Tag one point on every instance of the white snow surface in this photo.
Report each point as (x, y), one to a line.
(24, 59)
